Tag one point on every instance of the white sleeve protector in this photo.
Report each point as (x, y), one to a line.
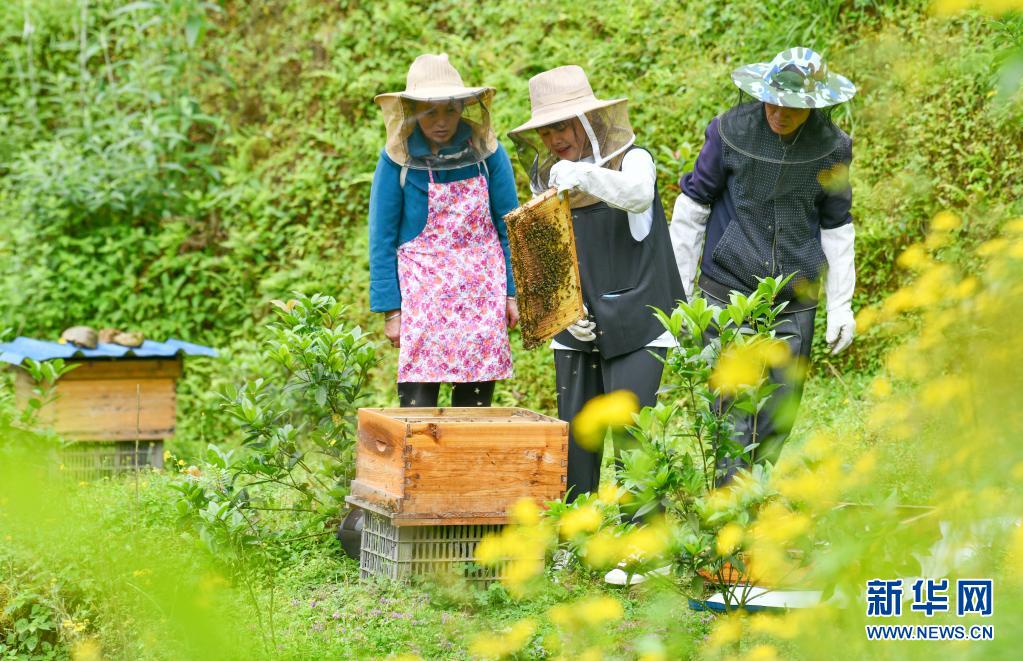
(630, 189)
(839, 247)
(688, 228)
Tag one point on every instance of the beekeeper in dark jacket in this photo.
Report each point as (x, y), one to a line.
(769, 195)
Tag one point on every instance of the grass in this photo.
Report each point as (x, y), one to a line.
(102, 553)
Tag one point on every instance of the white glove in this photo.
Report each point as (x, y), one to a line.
(687, 229)
(584, 330)
(839, 246)
(569, 175)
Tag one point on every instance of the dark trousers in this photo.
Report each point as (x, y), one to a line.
(774, 422)
(479, 393)
(582, 376)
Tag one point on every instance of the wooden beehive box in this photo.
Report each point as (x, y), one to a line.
(456, 466)
(101, 400)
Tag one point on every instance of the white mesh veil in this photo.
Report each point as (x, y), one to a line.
(401, 118)
(608, 134)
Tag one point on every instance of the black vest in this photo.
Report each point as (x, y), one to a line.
(773, 208)
(623, 278)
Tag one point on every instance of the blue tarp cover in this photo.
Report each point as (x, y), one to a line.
(20, 348)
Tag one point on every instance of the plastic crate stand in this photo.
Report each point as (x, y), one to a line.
(401, 553)
(91, 460)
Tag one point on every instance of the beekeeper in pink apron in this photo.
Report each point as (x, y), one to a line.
(439, 258)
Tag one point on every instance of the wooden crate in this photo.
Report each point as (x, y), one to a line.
(402, 553)
(465, 466)
(98, 401)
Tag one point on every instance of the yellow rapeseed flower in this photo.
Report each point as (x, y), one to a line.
(743, 366)
(992, 247)
(648, 542)
(993, 7)
(506, 643)
(610, 493)
(819, 445)
(599, 610)
(734, 372)
(834, 179)
(901, 300)
(583, 519)
(603, 550)
(611, 411)
(913, 258)
(1014, 226)
(1014, 562)
(727, 630)
(490, 550)
(778, 626)
(945, 221)
(777, 524)
(866, 318)
(880, 387)
(863, 468)
(519, 571)
(942, 391)
(762, 653)
(87, 650)
(525, 512)
(589, 612)
(936, 240)
(729, 537)
(561, 615)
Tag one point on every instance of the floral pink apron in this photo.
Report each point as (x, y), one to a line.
(453, 291)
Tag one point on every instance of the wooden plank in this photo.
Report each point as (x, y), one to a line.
(449, 479)
(379, 458)
(410, 520)
(368, 497)
(106, 409)
(456, 519)
(480, 435)
(133, 368)
(463, 415)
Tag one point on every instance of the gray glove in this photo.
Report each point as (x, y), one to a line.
(584, 330)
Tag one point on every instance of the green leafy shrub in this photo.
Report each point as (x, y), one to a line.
(298, 427)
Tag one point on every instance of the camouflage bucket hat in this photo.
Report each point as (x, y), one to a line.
(795, 78)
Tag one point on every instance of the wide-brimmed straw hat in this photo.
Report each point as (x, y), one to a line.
(431, 77)
(560, 94)
(795, 78)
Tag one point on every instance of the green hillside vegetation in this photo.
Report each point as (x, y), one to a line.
(177, 164)
(172, 166)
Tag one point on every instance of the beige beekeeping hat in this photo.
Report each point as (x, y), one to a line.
(431, 77)
(560, 94)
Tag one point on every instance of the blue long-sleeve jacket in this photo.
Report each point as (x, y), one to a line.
(398, 215)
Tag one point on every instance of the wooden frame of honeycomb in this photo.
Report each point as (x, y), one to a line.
(546, 270)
